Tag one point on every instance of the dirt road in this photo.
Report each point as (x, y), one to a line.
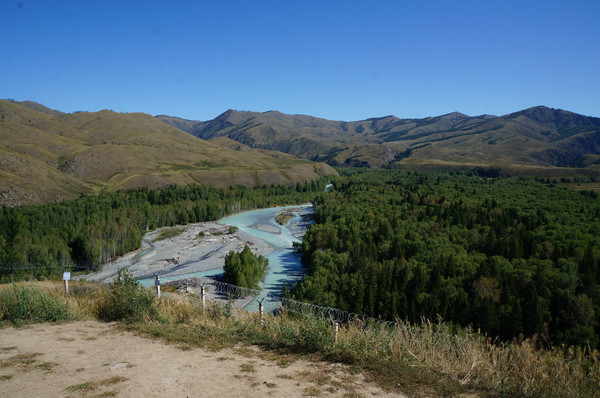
(94, 359)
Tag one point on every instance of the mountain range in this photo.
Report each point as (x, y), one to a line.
(535, 140)
(47, 155)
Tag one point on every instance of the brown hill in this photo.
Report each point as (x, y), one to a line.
(535, 139)
(48, 155)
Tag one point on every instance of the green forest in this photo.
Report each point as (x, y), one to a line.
(509, 256)
(38, 241)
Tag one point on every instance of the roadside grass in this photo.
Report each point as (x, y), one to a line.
(428, 358)
(21, 304)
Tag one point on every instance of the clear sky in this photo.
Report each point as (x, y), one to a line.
(342, 60)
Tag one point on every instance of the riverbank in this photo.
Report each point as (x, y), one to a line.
(199, 248)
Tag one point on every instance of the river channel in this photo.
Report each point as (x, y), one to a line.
(284, 262)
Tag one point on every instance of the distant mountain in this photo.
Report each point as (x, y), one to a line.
(534, 139)
(47, 155)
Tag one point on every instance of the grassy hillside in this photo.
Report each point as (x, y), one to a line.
(528, 141)
(47, 155)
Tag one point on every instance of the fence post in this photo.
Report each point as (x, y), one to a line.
(337, 327)
(260, 311)
(157, 283)
(203, 296)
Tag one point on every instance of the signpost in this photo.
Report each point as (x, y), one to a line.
(66, 278)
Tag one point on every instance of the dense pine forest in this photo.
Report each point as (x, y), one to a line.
(509, 256)
(82, 234)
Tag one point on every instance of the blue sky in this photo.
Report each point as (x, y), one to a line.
(342, 60)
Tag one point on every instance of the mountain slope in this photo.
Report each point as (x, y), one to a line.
(537, 138)
(48, 155)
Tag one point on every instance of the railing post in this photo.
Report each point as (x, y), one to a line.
(203, 296)
(337, 327)
(157, 283)
(261, 311)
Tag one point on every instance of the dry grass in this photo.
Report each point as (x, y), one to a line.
(425, 358)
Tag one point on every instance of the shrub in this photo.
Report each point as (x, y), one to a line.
(126, 300)
(22, 304)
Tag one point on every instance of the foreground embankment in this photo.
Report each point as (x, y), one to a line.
(426, 359)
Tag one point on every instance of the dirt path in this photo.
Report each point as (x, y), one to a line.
(93, 359)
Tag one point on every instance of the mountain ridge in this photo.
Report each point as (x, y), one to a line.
(536, 138)
(49, 155)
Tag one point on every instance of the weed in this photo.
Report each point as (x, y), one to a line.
(9, 348)
(46, 366)
(126, 300)
(247, 367)
(6, 377)
(22, 304)
(108, 394)
(112, 380)
(271, 385)
(312, 391)
(88, 385)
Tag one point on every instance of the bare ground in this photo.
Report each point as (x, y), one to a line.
(94, 359)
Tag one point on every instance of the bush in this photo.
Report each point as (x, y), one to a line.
(21, 304)
(126, 300)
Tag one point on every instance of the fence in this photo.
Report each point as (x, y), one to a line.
(332, 314)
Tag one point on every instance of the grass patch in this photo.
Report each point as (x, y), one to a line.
(21, 304)
(6, 377)
(9, 348)
(247, 367)
(46, 366)
(312, 391)
(95, 385)
(88, 385)
(283, 217)
(168, 233)
(108, 394)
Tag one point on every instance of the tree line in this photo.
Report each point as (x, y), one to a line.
(92, 230)
(511, 256)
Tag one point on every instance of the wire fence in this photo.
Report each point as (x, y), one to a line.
(332, 314)
(233, 291)
(68, 264)
(216, 286)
